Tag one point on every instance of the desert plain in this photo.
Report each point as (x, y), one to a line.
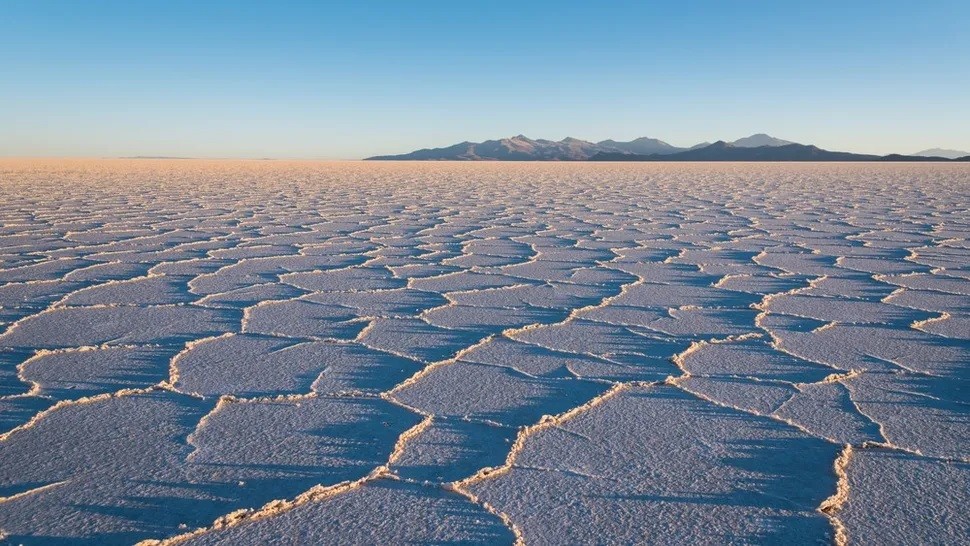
(256, 352)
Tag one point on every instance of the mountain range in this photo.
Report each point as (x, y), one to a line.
(757, 147)
(940, 152)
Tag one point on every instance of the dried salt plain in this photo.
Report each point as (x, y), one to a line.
(294, 353)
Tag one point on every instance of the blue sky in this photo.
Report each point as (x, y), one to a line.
(308, 80)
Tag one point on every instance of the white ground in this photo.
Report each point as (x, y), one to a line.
(378, 353)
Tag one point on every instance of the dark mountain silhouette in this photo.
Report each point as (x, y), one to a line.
(523, 148)
(723, 151)
(901, 157)
(758, 147)
(642, 145)
(759, 140)
(517, 148)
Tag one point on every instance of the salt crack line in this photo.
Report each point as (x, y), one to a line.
(921, 324)
(505, 519)
(837, 500)
(29, 492)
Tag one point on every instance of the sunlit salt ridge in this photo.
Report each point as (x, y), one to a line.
(271, 352)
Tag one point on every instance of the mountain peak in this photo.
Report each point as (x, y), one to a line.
(640, 146)
(760, 139)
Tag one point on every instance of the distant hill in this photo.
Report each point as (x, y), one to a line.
(759, 140)
(642, 145)
(942, 152)
(724, 151)
(757, 147)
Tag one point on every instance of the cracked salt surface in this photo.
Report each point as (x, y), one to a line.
(282, 352)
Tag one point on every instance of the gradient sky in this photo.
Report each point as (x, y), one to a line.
(305, 80)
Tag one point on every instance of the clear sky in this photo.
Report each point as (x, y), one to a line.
(352, 79)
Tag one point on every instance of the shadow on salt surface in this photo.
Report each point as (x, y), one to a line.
(71, 375)
(491, 320)
(919, 500)
(869, 346)
(157, 290)
(17, 411)
(658, 462)
(105, 456)
(265, 270)
(684, 293)
(844, 310)
(763, 284)
(356, 367)
(249, 296)
(316, 440)
(922, 413)
(304, 319)
(800, 262)
(826, 410)
(382, 303)
(91, 326)
(706, 323)
(48, 270)
(466, 280)
(747, 394)
(379, 512)
(952, 327)
(752, 358)
(128, 473)
(602, 339)
(359, 278)
(10, 384)
(23, 299)
(417, 339)
(767, 465)
(75, 374)
(531, 359)
(495, 393)
(453, 449)
(552, 295)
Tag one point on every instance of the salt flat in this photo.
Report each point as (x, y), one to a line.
(258, 352)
